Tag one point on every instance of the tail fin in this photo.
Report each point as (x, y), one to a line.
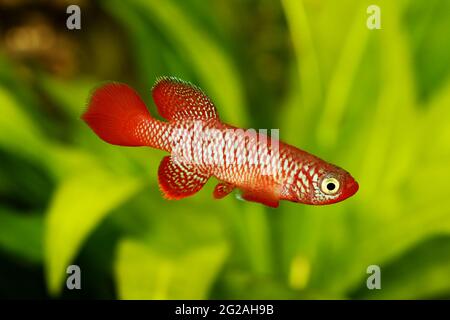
(115, 112)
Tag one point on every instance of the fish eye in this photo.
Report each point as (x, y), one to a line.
(330, 186)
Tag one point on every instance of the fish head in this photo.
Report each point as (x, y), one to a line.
(320, 183)
(330, 184)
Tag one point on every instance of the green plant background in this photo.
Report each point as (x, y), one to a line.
(374, 102)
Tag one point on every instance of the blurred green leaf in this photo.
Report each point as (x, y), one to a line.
(143, 273)
(254, 234)
(425, 21)
(423, 272)
(217, 73)
(339, 88)
(240, 285)
(21, 234)
(149, 61)
(71, 97)
(18, 133)
(389, 136)
(435, 138)
(15, 187)
(78, 205)
(12, 80)
(311, 85)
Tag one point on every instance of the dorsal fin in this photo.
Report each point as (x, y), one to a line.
(177, 180)
(177, 99)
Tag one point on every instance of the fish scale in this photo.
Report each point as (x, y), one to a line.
(202, 146)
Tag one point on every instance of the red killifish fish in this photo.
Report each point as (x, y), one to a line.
(202, 146)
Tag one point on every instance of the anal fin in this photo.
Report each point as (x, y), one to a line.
(177, 180)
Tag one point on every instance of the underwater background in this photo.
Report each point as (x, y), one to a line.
(376, 102)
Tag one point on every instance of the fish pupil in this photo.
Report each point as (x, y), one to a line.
(330, 186)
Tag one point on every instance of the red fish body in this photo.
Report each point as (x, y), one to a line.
(265, 169)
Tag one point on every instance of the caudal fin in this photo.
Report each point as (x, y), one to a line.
(115, 113)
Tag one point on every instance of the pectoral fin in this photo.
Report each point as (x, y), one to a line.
(222, 189)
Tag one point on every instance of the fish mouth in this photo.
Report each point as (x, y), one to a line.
(350, 189)
(353, 187)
